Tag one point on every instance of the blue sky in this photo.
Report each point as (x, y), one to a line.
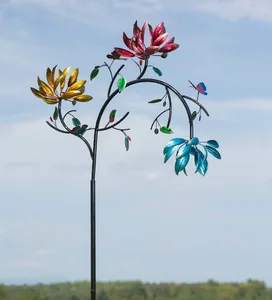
(152, 224)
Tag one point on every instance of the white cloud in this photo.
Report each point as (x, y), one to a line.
(227, 9)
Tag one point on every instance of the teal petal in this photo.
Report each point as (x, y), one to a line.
(181, 163)
(173, 142)
(213, 143)
(183, 150)
(213, 152)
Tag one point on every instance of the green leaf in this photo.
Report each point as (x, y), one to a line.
(166, 130)
(155, 101)
(194, 114)
(94, 73)
(121, 84)
(55, 114)
(158, 71)
(112, 115)
(127, 143)
(76, 122)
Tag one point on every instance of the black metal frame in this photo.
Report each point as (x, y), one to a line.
(93, 150)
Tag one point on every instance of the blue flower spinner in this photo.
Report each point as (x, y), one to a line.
(185, 148)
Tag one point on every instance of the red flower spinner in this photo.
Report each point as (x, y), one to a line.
(157, 37)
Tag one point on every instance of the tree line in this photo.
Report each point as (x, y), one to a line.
(137, 290)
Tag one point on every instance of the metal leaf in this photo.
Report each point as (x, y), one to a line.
(194, 114)
(166, 130)
(155, 101)
(170, 152)
(158, 71)
(194, 141)
(48, 77)
(45, 88)
(55, 114)
(37, 93)
(112, 115)
(126, 143)
(94, 73)
(213, 143)
(181, 163)
(121, 84)
(83, 98)
(76, 122)
(70, 94)
(173, 142)
(50, 101)
(213, 152)
(183, 150)
(201, 163)
(73, 77)
(77, 85)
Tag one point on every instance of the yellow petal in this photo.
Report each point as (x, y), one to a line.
(61, 77)
(62, 85)
(66, 71)
(37, 93)
(52, 77)
(78, 85)
(70, 94)
(48, 76)
(73, 77)
(82, 90)
(46, 89)
(50, 101)
(83, 98)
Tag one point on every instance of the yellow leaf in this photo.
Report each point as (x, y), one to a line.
(52, 77)
(37, 93)
(83, 98)
(70, 94)
(73, 77)
(62, 84)
(46, 89)
(50, 101)
(82, 90)
(61, 77)
(48, 76)
(66, 71)
(78, 85)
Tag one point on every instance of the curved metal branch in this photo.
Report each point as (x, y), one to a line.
(144, 69)
(113, 79)
(158, 117)
(68, 112)
(144, 80)
(197, 103)
(55, 128)
(116, 123)
(109, 68)
(68, 129)
(170, 107)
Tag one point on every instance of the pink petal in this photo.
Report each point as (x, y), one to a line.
(124, 52)
(169, 48)
(127, 41)
(143, 30)
(134, 45)
(151, 33)
(141, 56)
(160, 39)
(171, 41)
(159, 30)
(136, 29)
(151, 50)
(140, 43)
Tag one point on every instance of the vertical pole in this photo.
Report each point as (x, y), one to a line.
(92, 241)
